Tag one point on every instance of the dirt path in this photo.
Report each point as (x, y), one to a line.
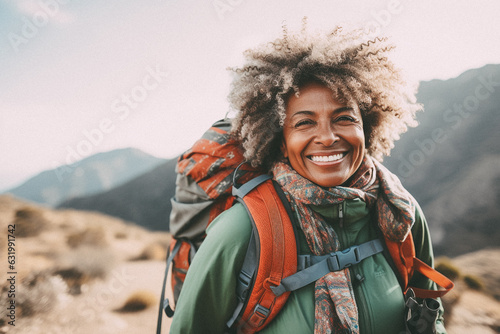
(94, 311)
(475, 313)
(125, 280)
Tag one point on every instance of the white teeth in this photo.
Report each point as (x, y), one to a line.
(326, 158)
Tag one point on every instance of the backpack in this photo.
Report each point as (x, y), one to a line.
(211, 177)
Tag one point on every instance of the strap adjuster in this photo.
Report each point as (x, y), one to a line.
(261, 311)
(303, 262)
(258, 317)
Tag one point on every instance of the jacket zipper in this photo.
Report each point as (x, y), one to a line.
(341, 214)
(353, 271)
(364, 311)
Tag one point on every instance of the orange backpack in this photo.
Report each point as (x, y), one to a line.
(210, 178)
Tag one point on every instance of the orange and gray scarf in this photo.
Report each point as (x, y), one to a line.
(335, 306)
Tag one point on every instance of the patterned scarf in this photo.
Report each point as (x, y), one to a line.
(335, 306)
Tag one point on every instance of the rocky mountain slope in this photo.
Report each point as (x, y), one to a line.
(450, 161)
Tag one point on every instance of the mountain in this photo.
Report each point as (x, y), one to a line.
(144, 200)
(450, 162)
(97, 173)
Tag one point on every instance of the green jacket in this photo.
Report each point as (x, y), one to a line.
(208, 297)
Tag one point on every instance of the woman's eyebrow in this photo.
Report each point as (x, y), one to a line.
(341, 109)
(303, 112)
(309, 112)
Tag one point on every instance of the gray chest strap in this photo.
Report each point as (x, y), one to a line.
(312, 267)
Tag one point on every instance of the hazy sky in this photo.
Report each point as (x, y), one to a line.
(80, 77)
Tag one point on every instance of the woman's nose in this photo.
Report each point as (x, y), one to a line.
(326, 136)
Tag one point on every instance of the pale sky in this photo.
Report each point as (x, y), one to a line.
(80, 77)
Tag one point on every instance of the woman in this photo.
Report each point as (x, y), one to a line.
(318, 112)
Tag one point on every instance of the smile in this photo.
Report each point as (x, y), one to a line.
(326, 158)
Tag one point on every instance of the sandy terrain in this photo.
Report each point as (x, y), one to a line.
(106, 250)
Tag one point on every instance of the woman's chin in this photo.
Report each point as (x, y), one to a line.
(329, 174)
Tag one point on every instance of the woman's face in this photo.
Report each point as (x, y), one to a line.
(322, 138)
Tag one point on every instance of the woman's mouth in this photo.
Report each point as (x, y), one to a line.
(327, 158)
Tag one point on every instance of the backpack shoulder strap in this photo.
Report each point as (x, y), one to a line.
(406, 262)
(272, 256)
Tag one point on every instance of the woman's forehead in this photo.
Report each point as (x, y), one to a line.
(314, 96)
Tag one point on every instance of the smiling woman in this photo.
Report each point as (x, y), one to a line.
(354, 67)
(317, 113)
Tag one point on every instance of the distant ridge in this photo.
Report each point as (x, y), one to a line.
(144, 200)
(97, 173)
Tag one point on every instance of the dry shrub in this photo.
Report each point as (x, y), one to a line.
(138, 301)
(74, 279)
(447, 268)
(153, 251)
(91, 236)
(37, 293)
(121, 235)
(84, 265)
(29, 222)
(473, 282)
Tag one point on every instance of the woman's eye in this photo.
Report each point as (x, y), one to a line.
(345, 118)
(303, 122)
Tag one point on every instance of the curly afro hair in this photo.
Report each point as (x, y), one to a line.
(354, 66)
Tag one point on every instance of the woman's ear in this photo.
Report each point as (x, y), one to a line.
(283, 149)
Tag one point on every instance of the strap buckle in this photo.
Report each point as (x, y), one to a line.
(344, 259)
(244, 280)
